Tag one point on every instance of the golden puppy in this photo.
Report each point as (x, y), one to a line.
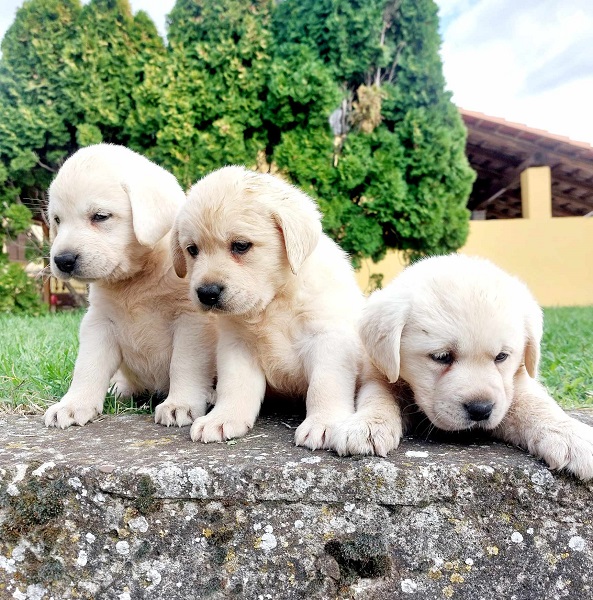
(111, 211)
(285, 297)
(462, 339)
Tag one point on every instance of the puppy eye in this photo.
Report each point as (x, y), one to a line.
(240, 247)
(57, 220)
(100, 217)
(501, 357)
(193, 250)
(443, 358)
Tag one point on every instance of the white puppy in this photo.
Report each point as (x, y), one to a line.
(462, 340)
(110, 212)
(286, 300)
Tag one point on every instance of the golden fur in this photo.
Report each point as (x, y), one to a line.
(140, 332)
(465, 337)
(287, 307)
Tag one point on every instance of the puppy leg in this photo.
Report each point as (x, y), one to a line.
(535, 422)
(239, 392)
(98, 358)
(331, 364)
(376, 426)
(191, 373)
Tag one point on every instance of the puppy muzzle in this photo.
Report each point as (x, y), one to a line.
(478, 410)
(210, 295)
(66, 262)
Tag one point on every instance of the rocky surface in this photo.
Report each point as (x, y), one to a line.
(123, 509)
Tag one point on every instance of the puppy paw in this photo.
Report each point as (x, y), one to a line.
(173, 412)
(569, 447)
(365, 435)
(313, 433)
(218, 427)
(68, 412)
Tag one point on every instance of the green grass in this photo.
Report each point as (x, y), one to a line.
(567, 355)
(37, 357)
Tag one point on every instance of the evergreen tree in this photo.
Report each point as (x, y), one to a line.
(253, 82)
(400, 177)
(105, 65)
(65, 77)
(213, 86)
(34, 133)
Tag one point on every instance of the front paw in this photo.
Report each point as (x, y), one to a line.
(569, 446)
(313, 433)
(218, 427)
(173, 412)
(71, 411)
(359, 434)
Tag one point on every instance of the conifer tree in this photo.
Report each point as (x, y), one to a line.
(400, 177)
(66, 75)
(214, 84)
(105, 65)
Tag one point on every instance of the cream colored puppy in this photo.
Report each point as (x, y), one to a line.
(286, 300)
(110, 212)
(462, 340)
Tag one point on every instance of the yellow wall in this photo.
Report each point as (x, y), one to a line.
(554, 256)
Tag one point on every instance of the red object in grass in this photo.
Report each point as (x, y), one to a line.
(53, 300)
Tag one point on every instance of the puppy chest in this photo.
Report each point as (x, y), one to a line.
(146, 347)
(281, 358)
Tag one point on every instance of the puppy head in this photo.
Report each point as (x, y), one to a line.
(108, 207)
(457, 330)
(242, 236)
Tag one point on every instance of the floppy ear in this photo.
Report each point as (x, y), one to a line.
(179, 263)
(155, 197)
(533, 336)
(381, 327)
(295, 213)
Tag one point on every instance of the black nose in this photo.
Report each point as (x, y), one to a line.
(209, 294)
(479, 410)
(66, 262)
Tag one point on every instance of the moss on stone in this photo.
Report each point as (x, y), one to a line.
(38, 503)
(49, 570)
(364, 555)
(145, 503)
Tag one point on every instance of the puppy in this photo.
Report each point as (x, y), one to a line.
(110, 212)
(285, 298)
(462, 340)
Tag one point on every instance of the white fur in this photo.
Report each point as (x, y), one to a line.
(474, 310)
(287, 314)
(141, 331)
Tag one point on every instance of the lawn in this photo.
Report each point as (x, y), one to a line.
(567, 355)
(37, 357)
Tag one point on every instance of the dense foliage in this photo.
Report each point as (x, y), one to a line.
(400, 177)
(19, 293)
(66, 76)
(256, 82)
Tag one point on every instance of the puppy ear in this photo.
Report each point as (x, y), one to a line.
(179, 263)
(380, 329)
(301, 231)
(533, 336)
(295, 213)
(155, 197)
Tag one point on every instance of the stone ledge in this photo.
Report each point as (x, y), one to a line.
(123, 509)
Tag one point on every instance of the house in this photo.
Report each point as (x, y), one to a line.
(530, 204)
